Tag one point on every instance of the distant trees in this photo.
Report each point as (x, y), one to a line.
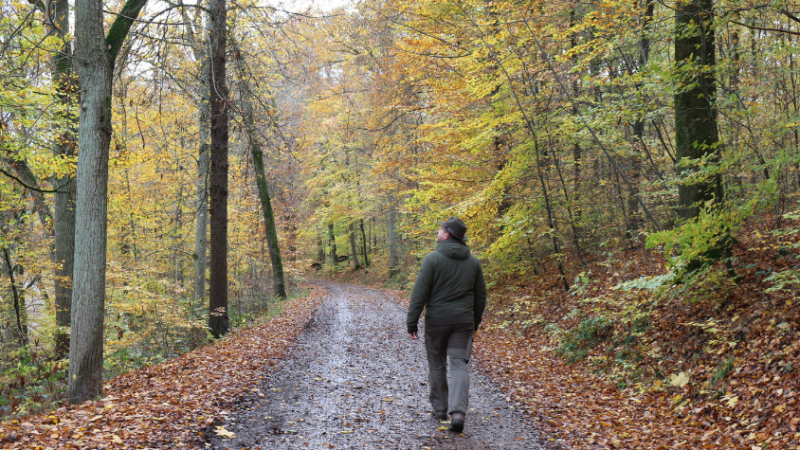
(557, 129)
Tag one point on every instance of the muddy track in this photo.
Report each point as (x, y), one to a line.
(355, 381)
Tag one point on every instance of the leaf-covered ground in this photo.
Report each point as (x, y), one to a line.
(715, 367)
(169, 405)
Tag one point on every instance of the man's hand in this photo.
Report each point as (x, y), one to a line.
(413, 335)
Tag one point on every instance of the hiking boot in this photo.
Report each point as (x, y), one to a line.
(439, 415)
(457, 422)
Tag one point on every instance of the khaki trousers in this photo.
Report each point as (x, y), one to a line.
(453, 342)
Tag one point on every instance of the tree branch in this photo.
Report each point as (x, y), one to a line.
(779, 30)
(33, 188)
(120, 28)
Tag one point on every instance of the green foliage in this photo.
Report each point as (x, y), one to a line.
(30, 382)
(789, 279)
(588, 334)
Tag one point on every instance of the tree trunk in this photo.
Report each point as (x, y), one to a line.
(364, 243)
(218, 283)
(353, 247)
(201, 224)
(696, 134)
(321, 250)
(271, 231)
(193, 28)
(20, 311)
(201, 186)
(393, 258)
(95, 58)
(635, 222)
(334, 258)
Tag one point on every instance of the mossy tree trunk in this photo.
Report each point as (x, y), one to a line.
(271, 230)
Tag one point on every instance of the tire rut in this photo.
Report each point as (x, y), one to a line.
(355, 381)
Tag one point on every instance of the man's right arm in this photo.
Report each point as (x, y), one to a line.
(420, 294)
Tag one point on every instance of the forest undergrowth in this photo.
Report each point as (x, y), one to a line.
(621, 362)
(172, 404)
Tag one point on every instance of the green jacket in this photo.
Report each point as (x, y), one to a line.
(450, 286)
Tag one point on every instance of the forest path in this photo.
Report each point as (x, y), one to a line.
(356, 381)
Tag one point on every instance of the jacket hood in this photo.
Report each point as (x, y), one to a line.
(453, 248)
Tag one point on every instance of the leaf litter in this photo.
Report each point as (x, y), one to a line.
(174, 404)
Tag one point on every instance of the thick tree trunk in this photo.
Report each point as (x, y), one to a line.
(218, 283)
(696, 134)
(94, 137)
(354, 247)
(95, 58)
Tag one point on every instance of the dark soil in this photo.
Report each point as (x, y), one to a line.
(356, 381)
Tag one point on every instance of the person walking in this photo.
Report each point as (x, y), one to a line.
(451, 288)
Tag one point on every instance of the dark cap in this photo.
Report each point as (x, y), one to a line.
(455, 227)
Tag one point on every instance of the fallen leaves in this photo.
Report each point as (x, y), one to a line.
(221, 431)
(171, 404)
(679, 380)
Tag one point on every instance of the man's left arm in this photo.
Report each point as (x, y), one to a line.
(479, 296)
(419, 296)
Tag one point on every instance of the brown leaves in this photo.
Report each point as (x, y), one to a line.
(173, 403)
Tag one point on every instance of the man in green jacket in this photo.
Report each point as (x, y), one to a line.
(451, 288)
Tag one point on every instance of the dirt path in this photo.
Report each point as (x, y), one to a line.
(355, 381)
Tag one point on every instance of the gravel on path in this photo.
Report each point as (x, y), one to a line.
(356, 381)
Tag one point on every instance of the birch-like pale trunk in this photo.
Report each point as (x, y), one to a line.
(95, 55)
(200, 53)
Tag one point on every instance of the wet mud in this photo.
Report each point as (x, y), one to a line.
(356, 381)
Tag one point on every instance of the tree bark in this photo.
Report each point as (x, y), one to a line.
(696, 134)
(95, 58)
(218, 283)
(354, 247)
